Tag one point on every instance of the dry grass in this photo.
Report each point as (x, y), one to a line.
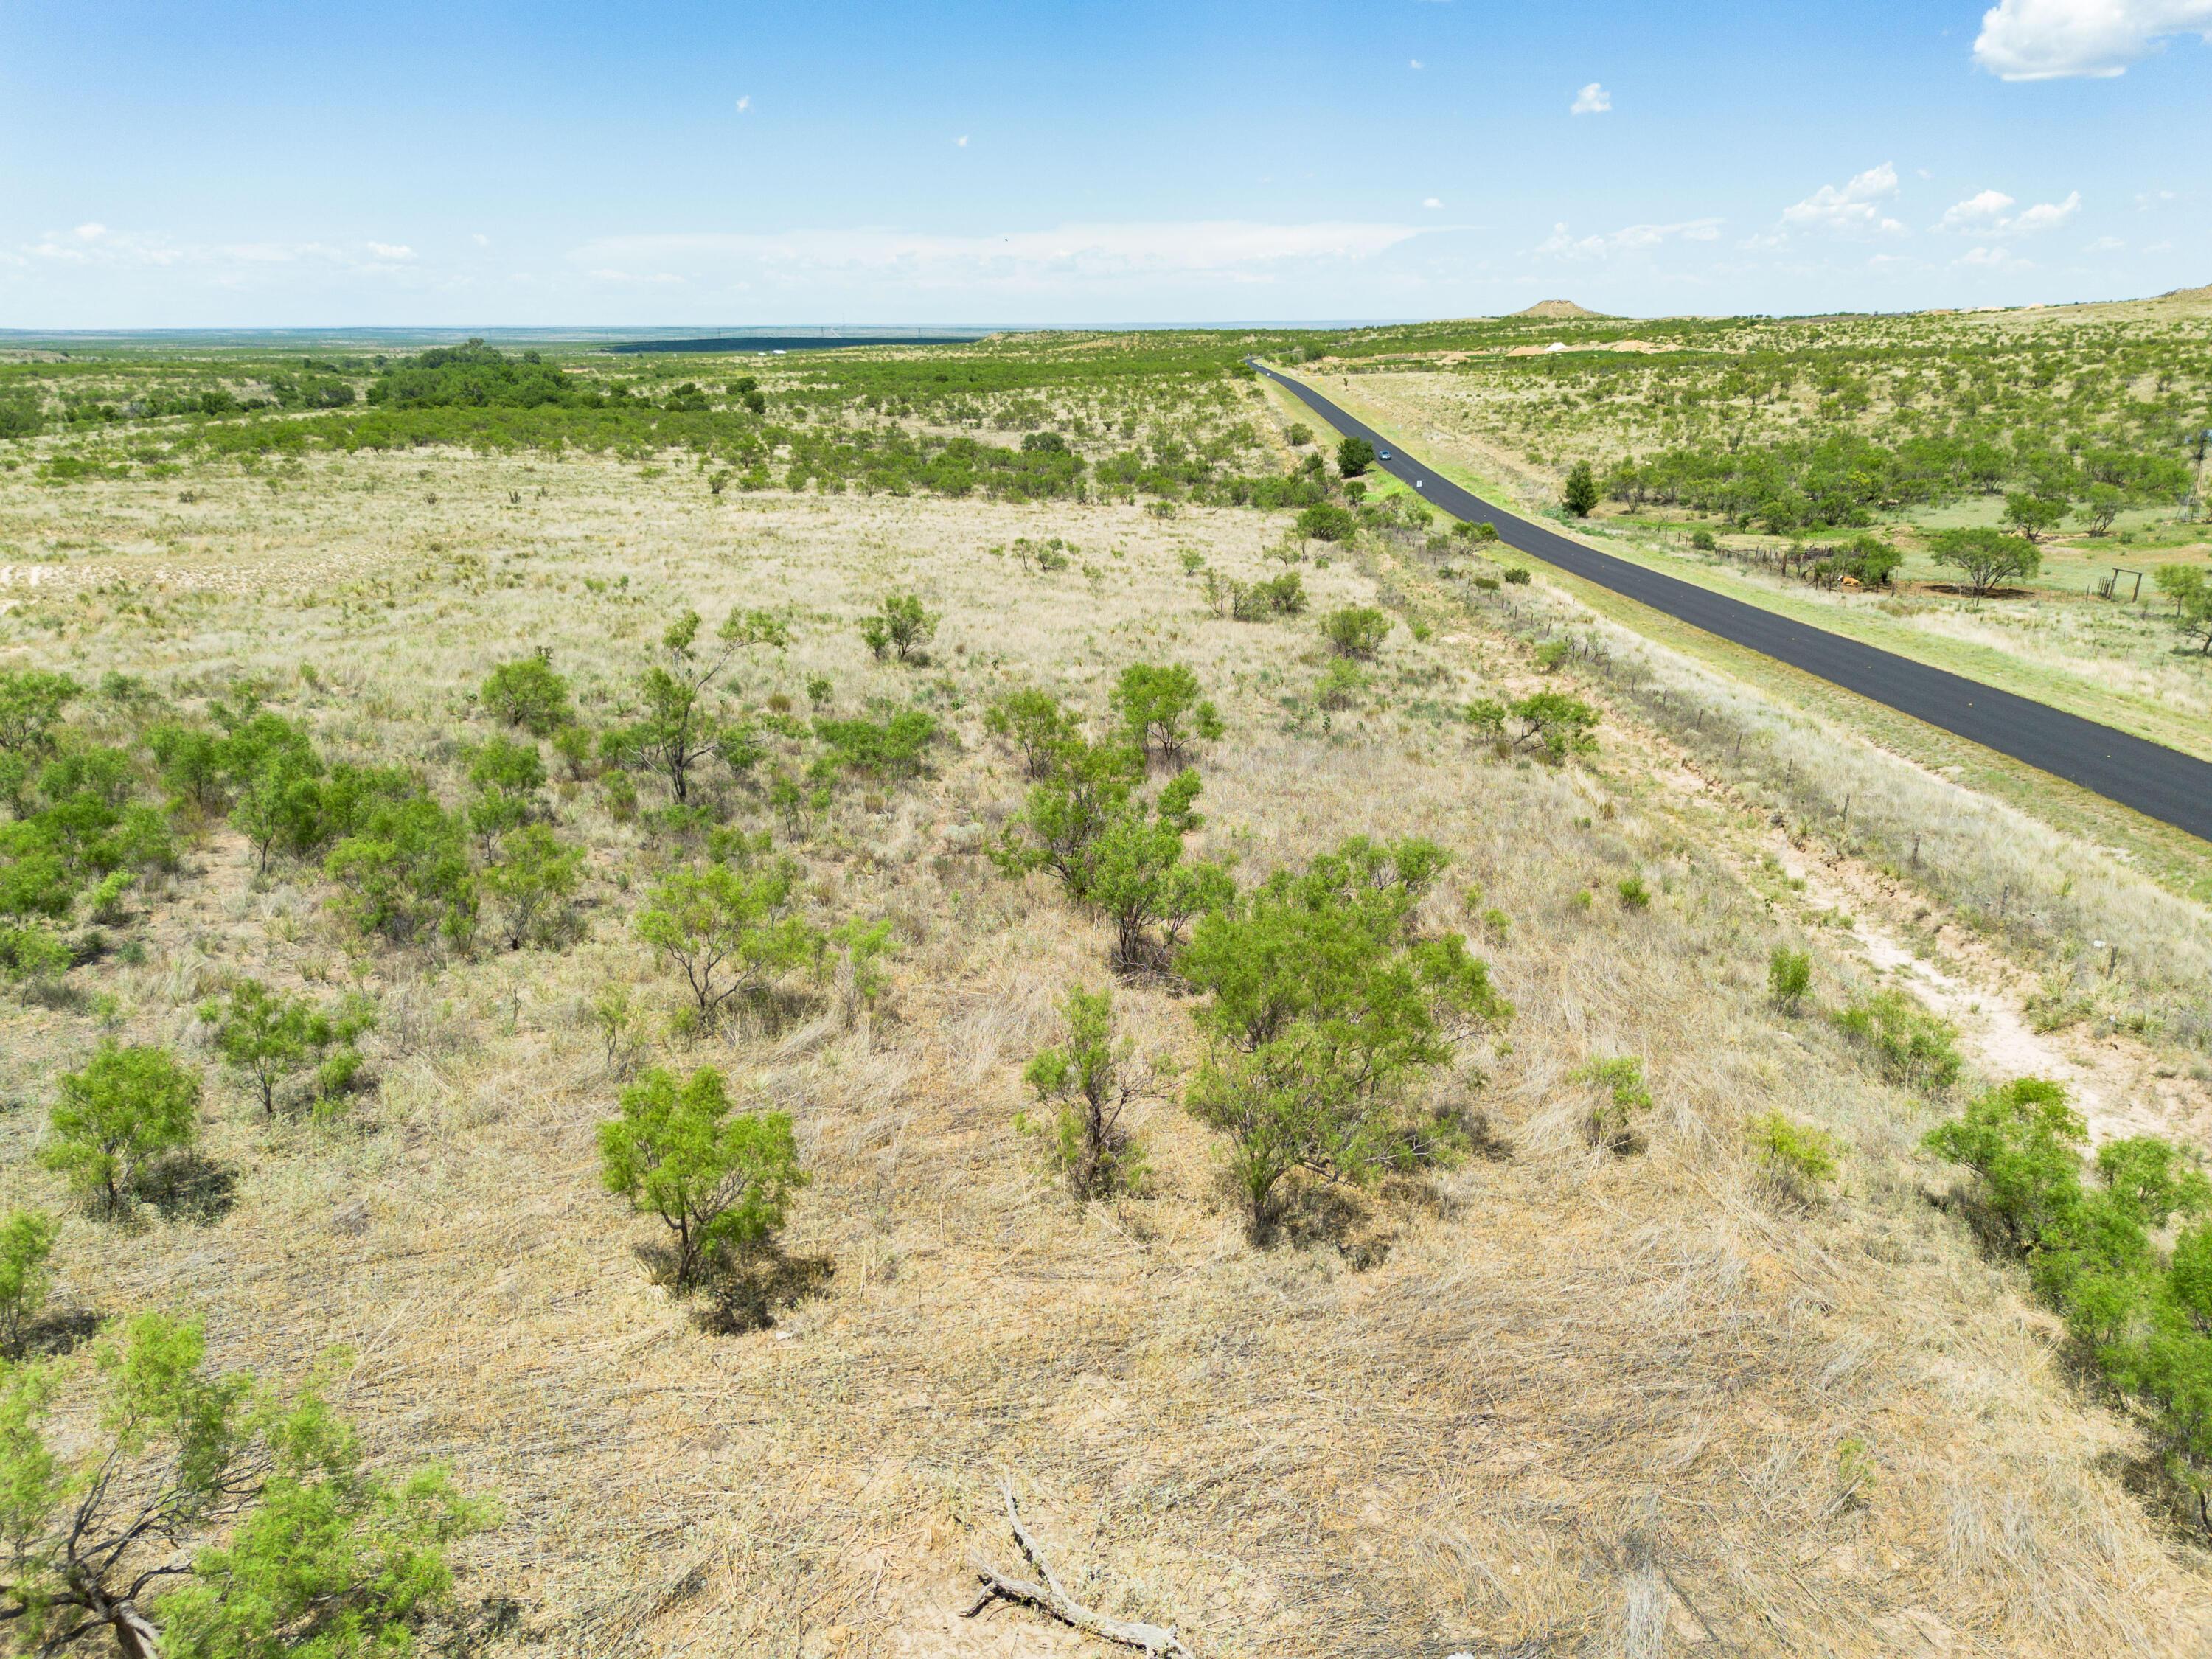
(1557, 1399)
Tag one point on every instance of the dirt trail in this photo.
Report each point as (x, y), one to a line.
(2120, 1085)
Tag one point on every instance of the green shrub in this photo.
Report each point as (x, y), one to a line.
(277, 1537)
(1987, 558)
(1277, 596)
(27, 1241)
(1161, 709)
(2143, 1317)
(1911, 1045)
(506, 776)
(1086, 1082)
(1581, 493)
(1554, 723)
(530, 882)
(576, 747)
(1325, 521)
(1634, 895)
(1340, 685)
(268, 1037)
(406, 875)
(894, 748)
(127, 1109)
(729, 932)
(529, 693)
(1612, 1119)
(1036, 725)
(721, 1181)
(31, 703)
(1789, 977)
(1800, 1157)
(2186, 585)
(1515, 575)
(1356, 631)
(1354, 456)
(1702, 540)
(900, 625)
(1325, 1001)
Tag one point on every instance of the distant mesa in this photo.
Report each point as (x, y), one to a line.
(1555, 310)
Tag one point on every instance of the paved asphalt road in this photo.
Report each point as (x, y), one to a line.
(2157, 781)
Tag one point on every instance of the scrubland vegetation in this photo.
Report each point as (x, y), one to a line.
(2014, 495)
(626, 986)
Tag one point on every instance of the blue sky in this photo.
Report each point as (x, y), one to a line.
(222, 164)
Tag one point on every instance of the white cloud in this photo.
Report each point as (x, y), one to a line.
(2049, 39)
(1416, 63)
(1992, 259)
(97, 248)
(745, 103)
(1989, 215)
(1109, 257)
(1431, 202)
(2044, 216)
(1981, 209)
(1853, 209)
(2104, 244)
(1630, 239)
(960, 142)
(480, 239)
(1592, 100)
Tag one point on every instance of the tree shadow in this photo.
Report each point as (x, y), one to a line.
(58, 1332)
(747, 1295)
(190, 1187)
(1320, 1214)
(2184, 1514)
(479, 1628)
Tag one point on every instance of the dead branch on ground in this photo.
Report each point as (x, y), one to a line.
(1051, 1597)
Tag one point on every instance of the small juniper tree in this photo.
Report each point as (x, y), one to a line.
(1581, 494)
(721, 1181)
